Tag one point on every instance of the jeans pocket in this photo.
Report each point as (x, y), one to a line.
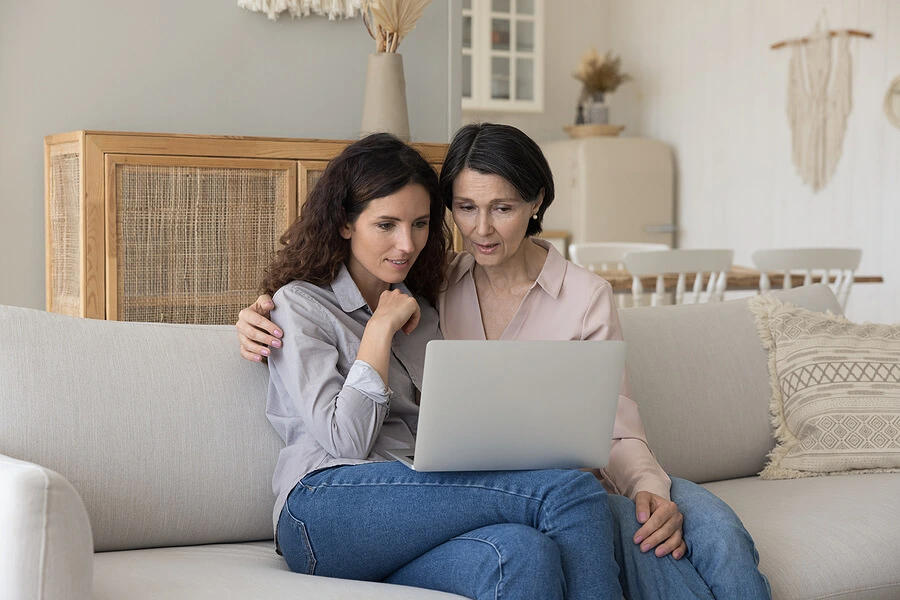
(293, 541)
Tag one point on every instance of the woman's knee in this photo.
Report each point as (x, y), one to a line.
(709, 523)
(702, 508)
(528, 563)
(624, 514)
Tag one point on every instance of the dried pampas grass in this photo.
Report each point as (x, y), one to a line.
(388, 21)
(600, 73)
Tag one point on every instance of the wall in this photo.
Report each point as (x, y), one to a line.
(707, 83)
(571, 29)
(204, 66)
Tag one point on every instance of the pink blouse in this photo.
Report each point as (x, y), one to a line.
(566, 302)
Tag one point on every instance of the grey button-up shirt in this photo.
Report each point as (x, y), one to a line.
(329, 408)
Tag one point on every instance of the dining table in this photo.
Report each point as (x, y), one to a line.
(738, 278)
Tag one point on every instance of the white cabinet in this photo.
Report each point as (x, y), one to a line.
(503, 55)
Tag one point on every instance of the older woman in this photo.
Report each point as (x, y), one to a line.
(509, 285)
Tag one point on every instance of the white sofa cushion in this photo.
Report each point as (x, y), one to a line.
(699, 375)
(234, 571)
(824, 537)
(160, 428)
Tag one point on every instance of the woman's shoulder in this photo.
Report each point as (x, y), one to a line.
(299, 290)
(304, 295)
(585, 280)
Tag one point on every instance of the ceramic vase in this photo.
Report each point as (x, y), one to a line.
(597, 109)
(384, 103)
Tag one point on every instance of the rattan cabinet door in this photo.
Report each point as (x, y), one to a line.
(308, 174)
(188, 238)
(65, 285)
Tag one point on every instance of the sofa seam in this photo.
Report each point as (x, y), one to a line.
(862, 589)
(43, 555)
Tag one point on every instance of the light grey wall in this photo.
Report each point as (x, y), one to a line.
(202, 66)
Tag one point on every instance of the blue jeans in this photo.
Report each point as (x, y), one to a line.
(721, 560)
(538, 535)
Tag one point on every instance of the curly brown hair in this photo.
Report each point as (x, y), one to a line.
(374, 167)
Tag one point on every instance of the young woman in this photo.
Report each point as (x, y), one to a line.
(508, 285)
(354, 286)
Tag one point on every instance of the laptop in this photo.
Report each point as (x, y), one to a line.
(509, 405)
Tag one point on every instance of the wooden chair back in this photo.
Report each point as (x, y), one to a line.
(683, 263)
(820, 262)
(607, 256)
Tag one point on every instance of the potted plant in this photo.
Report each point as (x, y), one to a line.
(599, 75)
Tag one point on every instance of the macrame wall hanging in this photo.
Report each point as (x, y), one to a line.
(819, 99)
(333, 9)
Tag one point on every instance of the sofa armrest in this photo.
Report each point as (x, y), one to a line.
(46, 548)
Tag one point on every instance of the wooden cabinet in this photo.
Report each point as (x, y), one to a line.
(172, 228)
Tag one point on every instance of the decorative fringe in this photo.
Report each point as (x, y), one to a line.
(763, 307)
(333, 9)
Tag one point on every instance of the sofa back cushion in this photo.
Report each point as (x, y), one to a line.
(700, 377)
(160, 428)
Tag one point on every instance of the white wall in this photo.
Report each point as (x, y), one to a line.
(707, 83)
(572, 27)
(201, 66)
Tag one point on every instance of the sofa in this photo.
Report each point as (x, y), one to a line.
(136, 460)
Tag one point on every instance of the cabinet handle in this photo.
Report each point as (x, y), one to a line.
(668, 228)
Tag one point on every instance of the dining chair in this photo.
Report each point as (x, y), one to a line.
(607, 256)
(811, 261)
(682, 262)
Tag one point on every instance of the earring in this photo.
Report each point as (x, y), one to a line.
(534, 216)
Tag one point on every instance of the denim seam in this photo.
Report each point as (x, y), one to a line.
(302, 527)
(499, 560)
(313, 470)
(441, 485)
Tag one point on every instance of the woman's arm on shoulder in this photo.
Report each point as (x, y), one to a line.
(256, 333)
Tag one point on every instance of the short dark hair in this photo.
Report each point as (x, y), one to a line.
(503, 150)
(374, 167)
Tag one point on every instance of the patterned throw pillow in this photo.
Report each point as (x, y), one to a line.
(835, 392)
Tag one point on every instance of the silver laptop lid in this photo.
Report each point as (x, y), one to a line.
(503, 405)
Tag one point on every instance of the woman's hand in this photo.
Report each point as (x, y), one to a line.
(395, 312)
(256, 332)
(661, 525)
(398, 311)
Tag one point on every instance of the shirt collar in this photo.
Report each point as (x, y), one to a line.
(550, 278)
(348, 294)
(554, 271)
